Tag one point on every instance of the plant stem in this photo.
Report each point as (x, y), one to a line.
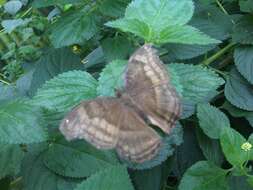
(5, 82)
(221, 7)
(26, 12)
(15, 182)
(218, 54)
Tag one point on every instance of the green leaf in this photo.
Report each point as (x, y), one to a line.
(238, 91)
(243, 56)
(113, 178)
(243, 30)
(184, 35)
(116, 48)
(188, 153)
(47, 3)
(94, 58)
(54, 62)
(250, 140)
(234, 111)
(21, 123)
(198, 82)
(111, 78)
(155, 13)
(250, 119)
(246, 6)
(113, 8)
(78, 159)
(10, 159)
(186, 51)
(212, 120)
(153, 178)
(135, 26)
(66, 90)
(212, 21)
(24, 83)
(35, 174)
(210, 148)
(148, 179)
(10, 25)
(8, 92)
(73, 28)
(12, 7)
(150, 20)
(250, 180)
(204, 175)
(236, 183)
(231, 142)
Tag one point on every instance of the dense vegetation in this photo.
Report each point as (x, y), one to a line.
(56, 53)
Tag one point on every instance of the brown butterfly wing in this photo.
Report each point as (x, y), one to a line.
(108, 123)
(148, 84)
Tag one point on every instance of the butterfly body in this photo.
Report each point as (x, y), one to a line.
(121, 122)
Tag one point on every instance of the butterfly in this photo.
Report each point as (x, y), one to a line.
(122, 122)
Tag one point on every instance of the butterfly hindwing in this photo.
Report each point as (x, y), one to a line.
(108, 123)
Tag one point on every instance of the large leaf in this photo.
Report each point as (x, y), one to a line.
(94, 58)
(21, 122)
(150, 20)
(73, 28)
(198, 82)
(246, 5)
(184, 51)
(238, 91)
(111, 78)
(211, 120)
(243, 30)
(210, 148)
(143, 10)
(78, 159)
(8, 92)
(113, 178)
(35, 174)
(10, 159)
(212, 21)
(204, 175)
(244, 61)
(236, 183)
(188, 152)
(12, 7)
(52, 63)
(113, 8)
(116, 48)
(231, 142)
(66, 90)
(183, 34)
(154, 178)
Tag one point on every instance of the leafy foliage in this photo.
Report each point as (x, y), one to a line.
(72, 160)
(204, 175)
(55, 54)
(103, 180)
(149, 20)
(21, 123)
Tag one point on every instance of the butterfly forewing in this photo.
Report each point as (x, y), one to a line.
(109, 123)
(148, 84)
